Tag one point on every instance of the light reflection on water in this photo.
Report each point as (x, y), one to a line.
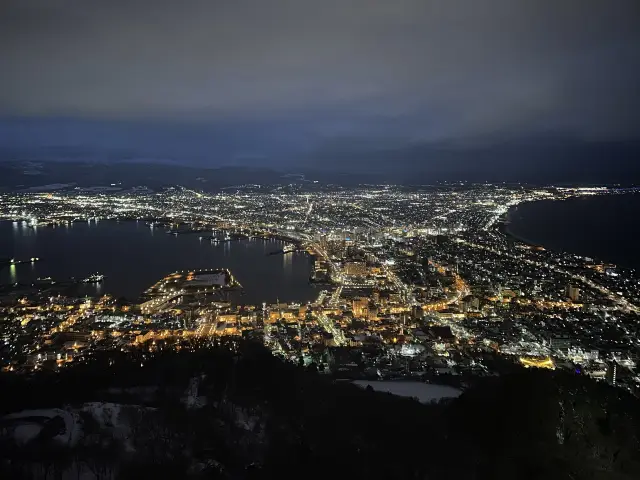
(287, 261)
(133, 256)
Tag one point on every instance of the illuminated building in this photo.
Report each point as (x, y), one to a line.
(572, 292)
(360, 306)
(612, 373)
(533, 362)
(561, 344)
(358, 269)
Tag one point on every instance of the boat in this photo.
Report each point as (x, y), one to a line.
(95, 278)
(288, 248)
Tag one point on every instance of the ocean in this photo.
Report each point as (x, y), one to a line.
(603, 227)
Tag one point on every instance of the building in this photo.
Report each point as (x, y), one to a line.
(357, 269)
(470, 304)
(612, 373)
(572, 292)
(288, 314)
(561, 344)
(230, 318)
(360, 307)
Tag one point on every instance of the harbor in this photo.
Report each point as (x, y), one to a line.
(131, 255)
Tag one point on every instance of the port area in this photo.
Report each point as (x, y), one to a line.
(190, 287)
(288, 248)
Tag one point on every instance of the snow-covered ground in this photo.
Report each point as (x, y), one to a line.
(28, 424)
(424, 392)
(191, 398)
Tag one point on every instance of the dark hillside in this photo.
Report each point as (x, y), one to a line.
(235, 411)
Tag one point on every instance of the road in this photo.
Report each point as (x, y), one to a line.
(207, 328)
(462, 290)
(334, 268)
(335, 296)
(402, 288)
(327, 324)
(321, 297)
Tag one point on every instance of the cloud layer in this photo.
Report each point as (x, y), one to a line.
(419, 69)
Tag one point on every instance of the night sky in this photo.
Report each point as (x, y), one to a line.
(336, 83)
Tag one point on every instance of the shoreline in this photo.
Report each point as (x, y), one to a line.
(216, 256)
(505, 220)
(503, 226)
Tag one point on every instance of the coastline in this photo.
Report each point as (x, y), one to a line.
(503, 228)
(90, 248)
(505, 221)
(579, 226)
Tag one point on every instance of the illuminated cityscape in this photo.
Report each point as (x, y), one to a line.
(285, 239)
(420, 282)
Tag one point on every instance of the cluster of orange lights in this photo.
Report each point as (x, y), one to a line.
(533, 362)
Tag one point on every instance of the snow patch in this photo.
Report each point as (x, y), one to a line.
(28, 424)
(106, 414)
(246, 421)
(26, 432)
(191, 398)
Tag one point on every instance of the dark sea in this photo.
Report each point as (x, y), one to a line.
(604, 227)
(133, 256)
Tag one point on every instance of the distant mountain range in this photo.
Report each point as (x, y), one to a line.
(531, 160)
(347, 162)
(22, 175)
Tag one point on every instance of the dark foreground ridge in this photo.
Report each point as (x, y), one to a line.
(235, 411)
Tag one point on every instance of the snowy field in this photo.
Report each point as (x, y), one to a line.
(424, 392)
(28, 425)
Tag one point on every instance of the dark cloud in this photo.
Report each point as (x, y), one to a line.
(411, 70)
